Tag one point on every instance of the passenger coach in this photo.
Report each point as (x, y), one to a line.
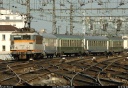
(69, 44)
(116, 44)
(95, 45)
(49, 44)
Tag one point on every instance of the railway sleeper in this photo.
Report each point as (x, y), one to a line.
(89, 83)
(111, 81)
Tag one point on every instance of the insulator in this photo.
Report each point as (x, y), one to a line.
(100, 2)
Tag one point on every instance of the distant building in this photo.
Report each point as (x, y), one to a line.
(7, 17)
(5, 42)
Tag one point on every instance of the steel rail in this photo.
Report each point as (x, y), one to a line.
(98, 79)
(89, 68)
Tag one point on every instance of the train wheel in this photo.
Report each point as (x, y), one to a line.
(16, 58)
(52, 56)
(42, 56)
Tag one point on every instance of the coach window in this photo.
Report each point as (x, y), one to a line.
(78, 43)
(62, 43)
(65, 43)
(94, 43)
(120, 44)
(54, 41)
(102, 43)
(75, 43)
(115, 43)
(26, 37)
(105, 43)
(99, 43)
(3, 37)
(68, 43)
(90, 43)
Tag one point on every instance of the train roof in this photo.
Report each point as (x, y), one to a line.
(96, 37)
(115, 38)
(48, 35)
(24, 33)
(64, 36)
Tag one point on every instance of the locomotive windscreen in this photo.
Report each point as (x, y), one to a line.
(17, 37)
(26, 37)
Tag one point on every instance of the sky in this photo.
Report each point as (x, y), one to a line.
(43, 19)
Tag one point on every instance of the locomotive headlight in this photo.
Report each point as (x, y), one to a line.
(28, 47)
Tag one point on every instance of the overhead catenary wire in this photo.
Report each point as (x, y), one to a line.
(40, 6)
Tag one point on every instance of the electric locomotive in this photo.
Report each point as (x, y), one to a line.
(26, 43)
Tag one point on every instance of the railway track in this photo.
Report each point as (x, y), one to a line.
(68, 72)
(111, 82)
(23, 73)
(96, 69)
